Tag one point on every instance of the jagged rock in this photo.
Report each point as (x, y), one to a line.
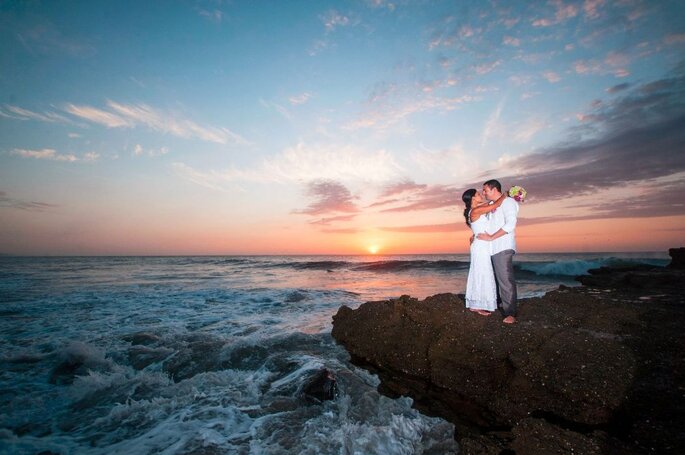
(576, 373)
(322, 386)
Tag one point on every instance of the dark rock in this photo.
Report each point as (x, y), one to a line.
(141, 356)
(196, 357)
(76, 360)
(295, 296)
(578, 372)
(322, 386)
(143, 338)
(677, 258)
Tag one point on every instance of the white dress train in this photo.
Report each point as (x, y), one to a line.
(481, 290)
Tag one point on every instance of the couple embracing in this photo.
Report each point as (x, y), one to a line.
(492, 218)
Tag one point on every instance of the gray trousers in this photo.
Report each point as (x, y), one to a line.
(502, 263)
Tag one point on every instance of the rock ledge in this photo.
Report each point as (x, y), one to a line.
(589, 369)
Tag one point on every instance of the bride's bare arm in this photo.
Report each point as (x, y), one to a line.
(480, 210)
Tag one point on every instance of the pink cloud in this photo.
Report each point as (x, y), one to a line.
(590, 7)
(330, 197)
(431, 197)
(332, 219)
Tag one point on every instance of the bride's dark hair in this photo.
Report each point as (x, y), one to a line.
(467, 197)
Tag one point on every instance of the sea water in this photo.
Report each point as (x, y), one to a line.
(204, 355)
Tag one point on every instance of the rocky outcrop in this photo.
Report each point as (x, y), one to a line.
(677, 258)
(578, 372)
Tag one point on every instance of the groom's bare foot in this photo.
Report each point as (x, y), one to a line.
(509, 320)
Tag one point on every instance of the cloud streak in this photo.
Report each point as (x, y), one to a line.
(330, 197)
(301, 163)
(19, 113)
(120, 115)
(32, 206)
(44, 154)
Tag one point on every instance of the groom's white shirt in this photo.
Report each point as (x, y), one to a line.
(504, 217)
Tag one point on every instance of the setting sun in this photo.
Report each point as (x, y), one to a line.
(373, 249)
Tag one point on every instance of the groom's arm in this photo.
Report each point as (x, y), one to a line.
(510, 213)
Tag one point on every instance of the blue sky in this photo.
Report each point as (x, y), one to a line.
(284, 127)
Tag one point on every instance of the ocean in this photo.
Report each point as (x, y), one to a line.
(210, 354)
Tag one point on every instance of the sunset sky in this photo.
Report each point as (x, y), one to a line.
(286, 127)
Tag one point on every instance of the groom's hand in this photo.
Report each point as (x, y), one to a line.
(484, 236)
(471, 240)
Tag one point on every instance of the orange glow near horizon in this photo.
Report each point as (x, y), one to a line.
(207, 236)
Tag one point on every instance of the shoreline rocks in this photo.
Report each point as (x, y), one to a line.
(590, 369)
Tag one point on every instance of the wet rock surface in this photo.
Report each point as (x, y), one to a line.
(591, 369)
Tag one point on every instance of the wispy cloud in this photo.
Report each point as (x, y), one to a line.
(333, 19)
(122, 115)
(317, 47)
(333, 219)
(99, 116)
(303, 161)
(385, 113)
(382, 4)
(329, 197)
(485, 68)
(300, 99)
(19, 113)
(44, 154)
(562, 12)
(91, 156)
(453, 161)
(209, 179)
(414, 197)
(551, 77)
(138, 150)
(614, 63)
(33, 206)
(404, 186)
(492, 126)
(276, 107)
(591, 8)
(214, 15)
(511, 41)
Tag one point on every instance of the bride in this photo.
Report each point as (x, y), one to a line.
(481, 290)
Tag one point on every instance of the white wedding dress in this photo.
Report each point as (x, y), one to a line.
(481, 290)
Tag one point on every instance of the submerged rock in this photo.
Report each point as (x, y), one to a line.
(576, 373)
(143, 338)
(322, 386)
(77, 359)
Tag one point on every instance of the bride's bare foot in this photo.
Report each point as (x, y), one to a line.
(509, 320)
(484, 313)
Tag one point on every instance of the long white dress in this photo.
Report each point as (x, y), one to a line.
(481, 290)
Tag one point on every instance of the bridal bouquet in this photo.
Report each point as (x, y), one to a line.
(518, 193)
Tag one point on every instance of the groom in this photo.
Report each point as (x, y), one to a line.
(501, 225)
